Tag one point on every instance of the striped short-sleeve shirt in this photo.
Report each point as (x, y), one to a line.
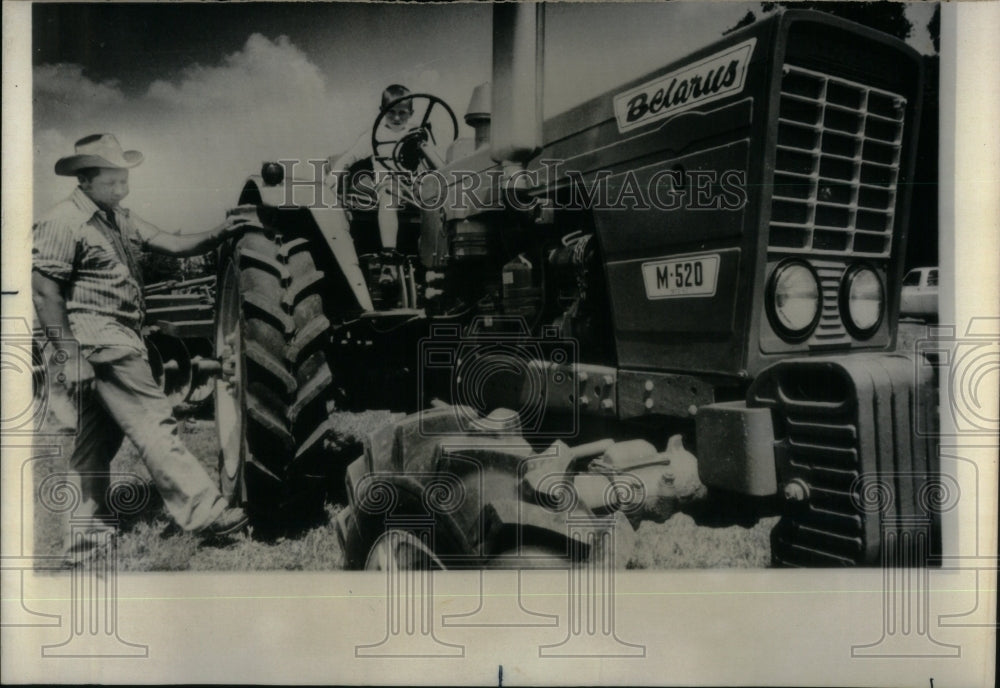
(96, 259)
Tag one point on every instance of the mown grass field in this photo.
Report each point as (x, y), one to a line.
(149, 542)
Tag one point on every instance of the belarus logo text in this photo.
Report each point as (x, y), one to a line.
(715, 77)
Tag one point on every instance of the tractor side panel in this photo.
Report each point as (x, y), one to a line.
(698, 172)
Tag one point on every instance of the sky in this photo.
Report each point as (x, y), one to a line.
(208, 91)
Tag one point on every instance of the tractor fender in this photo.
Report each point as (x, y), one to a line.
(331, 221)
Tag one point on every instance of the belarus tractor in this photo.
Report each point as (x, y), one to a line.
(682, 293)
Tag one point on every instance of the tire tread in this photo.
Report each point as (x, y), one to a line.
(290, 380)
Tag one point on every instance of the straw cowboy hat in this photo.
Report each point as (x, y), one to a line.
(97, 150)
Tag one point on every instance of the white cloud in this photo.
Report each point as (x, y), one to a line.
(202, 132)
(426, 81)
(63, 92)
(264, 70)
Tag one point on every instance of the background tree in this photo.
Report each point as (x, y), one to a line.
(887, 17)
(934, 28)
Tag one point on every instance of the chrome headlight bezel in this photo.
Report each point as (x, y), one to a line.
(848, 283)
(778, 320)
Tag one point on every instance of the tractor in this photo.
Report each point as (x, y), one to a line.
(681, 294)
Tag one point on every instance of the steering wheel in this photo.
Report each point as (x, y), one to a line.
(406, 153)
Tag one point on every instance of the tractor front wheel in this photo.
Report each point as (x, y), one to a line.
(276, 385)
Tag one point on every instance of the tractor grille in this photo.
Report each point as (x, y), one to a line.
(830, 330)
(850, 466)
(836, 166)
(822, 450)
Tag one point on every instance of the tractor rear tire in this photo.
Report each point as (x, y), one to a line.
(277, 387)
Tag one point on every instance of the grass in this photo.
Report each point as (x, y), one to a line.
(150, 542)
(680, 543)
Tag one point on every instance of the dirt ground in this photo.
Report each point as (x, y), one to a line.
(149, 542)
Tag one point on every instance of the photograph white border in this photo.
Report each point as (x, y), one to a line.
(698, 627)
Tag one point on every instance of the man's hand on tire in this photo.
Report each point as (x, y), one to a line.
(232, 225)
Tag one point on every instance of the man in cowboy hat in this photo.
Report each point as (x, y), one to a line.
(86, 284)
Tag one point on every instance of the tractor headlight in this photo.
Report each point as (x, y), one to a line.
(794, 300)
(862, 301)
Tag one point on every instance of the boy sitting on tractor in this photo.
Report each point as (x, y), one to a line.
(397, 111)
(397, 150)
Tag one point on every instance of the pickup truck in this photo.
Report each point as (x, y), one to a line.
(919, 297)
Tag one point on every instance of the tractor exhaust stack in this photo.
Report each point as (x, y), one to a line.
(518, 30)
